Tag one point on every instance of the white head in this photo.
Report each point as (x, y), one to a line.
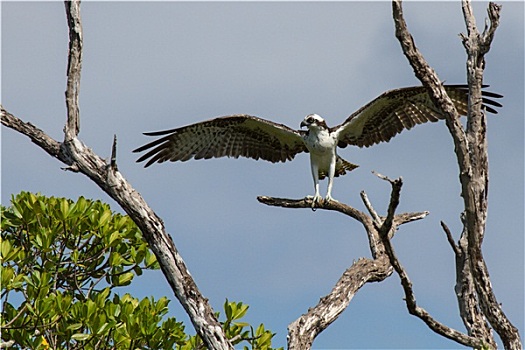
(314, 121)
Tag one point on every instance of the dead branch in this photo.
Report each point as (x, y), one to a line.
(36, 135)
(307, 203)
(303, 331)
(74, 67)
(471, 151)
(82, 159)
(410, 298)
(468, 300)
(475, 186)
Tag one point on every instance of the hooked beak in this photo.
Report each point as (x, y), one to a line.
(303, 123)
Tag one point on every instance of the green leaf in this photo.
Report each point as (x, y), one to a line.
(114, 237)
(18, 281)
(150, 260)
(5, 249)
(228, 310)
(38, 241)
(102, 329)
(241, 324)
(104, 218)
(75, 256)
(124, 279)
(74, 327)
(138, 270)
(16, 209)
(64, 208)
(80, 336)
(7, 273)
(91, 308)
(115, 259)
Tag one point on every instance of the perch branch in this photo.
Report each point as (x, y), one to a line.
(303, 331)
(307, 203)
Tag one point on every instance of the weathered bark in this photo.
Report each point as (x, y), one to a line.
(80, 158)
(473, 287)
(476, 300)
(475, 186)
(303, 331)
(380, 230)
(410, 299)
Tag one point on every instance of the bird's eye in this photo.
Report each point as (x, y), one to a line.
(310, 120)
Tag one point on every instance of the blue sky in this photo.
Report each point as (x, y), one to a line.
(154, 66)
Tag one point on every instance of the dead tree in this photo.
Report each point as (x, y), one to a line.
(80, 158)
(476, 299)
(477, 303)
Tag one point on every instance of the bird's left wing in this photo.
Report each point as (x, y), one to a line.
(396, 110)
(230, 136)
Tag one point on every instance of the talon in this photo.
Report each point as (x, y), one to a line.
(329, 198)
(315, 200)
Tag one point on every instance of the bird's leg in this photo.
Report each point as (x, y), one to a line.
(315, 174)
(331, 173)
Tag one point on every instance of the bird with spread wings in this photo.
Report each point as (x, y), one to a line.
(252, 137)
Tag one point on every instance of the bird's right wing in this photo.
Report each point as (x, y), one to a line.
(231, 136)
(399, 109)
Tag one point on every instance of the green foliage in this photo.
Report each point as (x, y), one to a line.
(238, 332)
(61, 261)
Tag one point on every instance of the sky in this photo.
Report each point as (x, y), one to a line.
(161, 65)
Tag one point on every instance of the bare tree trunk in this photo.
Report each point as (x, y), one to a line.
(476, 299)
(473, 286)
(80, 158)
(477, 303)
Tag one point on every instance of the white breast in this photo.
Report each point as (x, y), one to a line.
(320, 142)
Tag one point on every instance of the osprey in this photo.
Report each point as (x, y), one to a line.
(253, 137)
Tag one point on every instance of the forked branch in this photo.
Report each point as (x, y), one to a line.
(303, 331)
(410, 297)
(380, 230)
(80, 158)
(471, 150)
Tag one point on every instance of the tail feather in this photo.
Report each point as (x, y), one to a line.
(341, 167)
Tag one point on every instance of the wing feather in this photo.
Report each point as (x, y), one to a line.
(231, 136)
(400, 109)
